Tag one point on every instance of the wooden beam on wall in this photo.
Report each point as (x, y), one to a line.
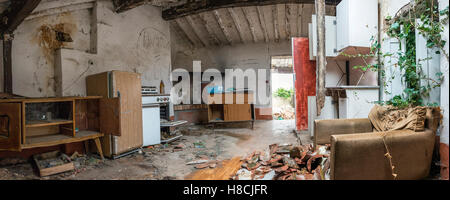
(321, 56)
(7, 66)
(11, 18)
(16, 14)
(195, 7)
(262, 23)
(125, 5)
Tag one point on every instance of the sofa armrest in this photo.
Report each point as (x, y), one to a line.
(362, 156)
(324, 129)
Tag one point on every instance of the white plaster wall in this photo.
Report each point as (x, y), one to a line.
(33, 64)
(445, 86)
(137, 40)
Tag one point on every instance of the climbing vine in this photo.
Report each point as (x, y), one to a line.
(426, 18)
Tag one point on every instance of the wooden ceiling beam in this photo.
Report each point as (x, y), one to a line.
(125, 5)
(222, 26)
(275, 23)
(11, 18)
(252, 27)
(262, 23)
(195, 7)
(235, 20)
(16, 13)
(209, 30)
(199, 33)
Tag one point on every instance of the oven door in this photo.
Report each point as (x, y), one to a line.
(151, 124)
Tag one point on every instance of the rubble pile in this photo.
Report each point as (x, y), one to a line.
(284, 114)
(286, 162)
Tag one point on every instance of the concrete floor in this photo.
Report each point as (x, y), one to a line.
(165, 163)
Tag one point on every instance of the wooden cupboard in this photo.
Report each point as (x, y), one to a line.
(125, 86)
(220, 110)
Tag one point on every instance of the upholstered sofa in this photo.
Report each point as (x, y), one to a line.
(358, 153)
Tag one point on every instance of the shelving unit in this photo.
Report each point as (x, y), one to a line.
(30, 123)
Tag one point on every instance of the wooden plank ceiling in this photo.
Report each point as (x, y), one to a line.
(204, 23)
(249, 24)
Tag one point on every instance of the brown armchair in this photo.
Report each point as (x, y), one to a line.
(358, 153)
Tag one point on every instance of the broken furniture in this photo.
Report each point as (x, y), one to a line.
(124, 133)
(221, 110)
(358, 153)
(53, 163)
(27, 123)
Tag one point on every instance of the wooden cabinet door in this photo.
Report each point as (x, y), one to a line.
(237, 112)
(10, 126)
(110, 116)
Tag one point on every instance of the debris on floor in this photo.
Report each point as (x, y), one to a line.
(284, 114)
(286, 162)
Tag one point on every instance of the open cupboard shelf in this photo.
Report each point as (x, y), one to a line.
(42, 123)
(31, 123)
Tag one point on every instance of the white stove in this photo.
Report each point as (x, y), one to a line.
(156, 108)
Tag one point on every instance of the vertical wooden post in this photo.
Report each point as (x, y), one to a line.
(7, 64)
(321, 55)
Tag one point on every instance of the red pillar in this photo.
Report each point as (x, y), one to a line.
(305, 80)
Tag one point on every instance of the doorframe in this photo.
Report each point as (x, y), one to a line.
(293, 83)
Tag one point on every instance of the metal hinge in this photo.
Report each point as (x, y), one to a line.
(334, 22)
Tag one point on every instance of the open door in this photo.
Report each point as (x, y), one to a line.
(110, 116)
(10, 126)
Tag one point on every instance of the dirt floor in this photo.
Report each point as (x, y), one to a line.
(167, 162)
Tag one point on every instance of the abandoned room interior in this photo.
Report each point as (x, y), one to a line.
(224, 90)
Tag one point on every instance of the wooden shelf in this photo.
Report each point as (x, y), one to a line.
(57, 139)
(43, 123)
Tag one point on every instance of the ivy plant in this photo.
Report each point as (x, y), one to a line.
(431, 26)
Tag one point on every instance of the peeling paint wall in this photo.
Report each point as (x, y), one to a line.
(137, 40)
(33, 51)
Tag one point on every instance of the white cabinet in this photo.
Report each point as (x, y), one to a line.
(357, 23)
(330, 37)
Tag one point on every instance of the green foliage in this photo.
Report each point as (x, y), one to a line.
(431, 26)
(283, 93)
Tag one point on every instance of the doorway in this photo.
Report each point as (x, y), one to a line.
(283, 103)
